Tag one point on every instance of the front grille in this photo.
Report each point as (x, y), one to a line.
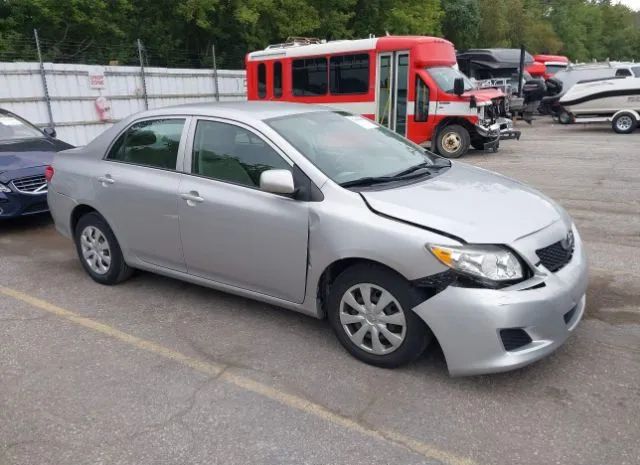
(31, 184)
(514, 338)
(555, 256)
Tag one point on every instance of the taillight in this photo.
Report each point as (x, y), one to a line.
(48, 173)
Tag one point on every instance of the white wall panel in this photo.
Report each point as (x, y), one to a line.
(73, 100)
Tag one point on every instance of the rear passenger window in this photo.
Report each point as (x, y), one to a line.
(231, 153)
(623, 72)
(150, 143)
(277, 79)
(262, 80)
(310, 76)
(350, 74)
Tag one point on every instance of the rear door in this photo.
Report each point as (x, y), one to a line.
(137, 190)
(232, 232)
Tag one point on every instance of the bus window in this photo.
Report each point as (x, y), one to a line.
(262, 80)
(349, 74)
(277, 79)
(309, 76)
(421, 112)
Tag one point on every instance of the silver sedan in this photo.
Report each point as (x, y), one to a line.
(331, 215)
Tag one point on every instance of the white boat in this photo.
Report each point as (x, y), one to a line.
(603, 97)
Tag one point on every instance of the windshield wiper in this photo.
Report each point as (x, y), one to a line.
(409, 173)
(413, 169)
(368, 181)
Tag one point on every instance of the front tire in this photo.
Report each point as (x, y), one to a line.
(624, 123)
(453, 141)
(99, 251)
(370, 310)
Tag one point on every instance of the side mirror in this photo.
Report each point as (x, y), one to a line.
(50, 132)
(277, 182)
(458, 86)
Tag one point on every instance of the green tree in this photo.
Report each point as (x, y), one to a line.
(399, 17)
(181, 32)
(461, 22)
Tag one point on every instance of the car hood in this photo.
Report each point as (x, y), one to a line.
(484, 95)
(470, 203)
(28, 153)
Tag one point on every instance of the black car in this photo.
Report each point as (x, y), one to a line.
(25, 152)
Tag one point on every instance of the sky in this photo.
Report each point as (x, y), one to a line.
(633, 4)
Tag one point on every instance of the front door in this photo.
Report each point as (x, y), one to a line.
(392, 81)
(232, 232)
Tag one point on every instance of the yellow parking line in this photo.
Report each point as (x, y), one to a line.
(213, 369)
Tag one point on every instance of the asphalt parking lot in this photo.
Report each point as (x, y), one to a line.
(155, 371)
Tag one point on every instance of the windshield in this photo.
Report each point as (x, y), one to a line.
(346, 147)
(12, 128)
(445, 77)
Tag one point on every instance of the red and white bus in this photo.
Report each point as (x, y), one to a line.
(409, 84)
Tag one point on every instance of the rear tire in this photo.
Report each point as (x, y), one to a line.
(624, 123)
(99, 251)
(453, 141)
(358, 321)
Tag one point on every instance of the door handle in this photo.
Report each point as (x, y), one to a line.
(192, 198)
(104, 180)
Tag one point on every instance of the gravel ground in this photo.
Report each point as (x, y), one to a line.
(155, 371)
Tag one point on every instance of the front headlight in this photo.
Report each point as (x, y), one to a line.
(490, 262)
(4, 188)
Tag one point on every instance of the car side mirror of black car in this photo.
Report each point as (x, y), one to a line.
(458, 86)
(49, 131)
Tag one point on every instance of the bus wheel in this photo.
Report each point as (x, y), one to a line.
(453, 141)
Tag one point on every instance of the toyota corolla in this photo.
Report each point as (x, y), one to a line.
(331, 215)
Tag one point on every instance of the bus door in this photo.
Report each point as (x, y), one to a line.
(392, 81)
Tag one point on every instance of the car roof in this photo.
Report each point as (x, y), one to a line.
(236, 110)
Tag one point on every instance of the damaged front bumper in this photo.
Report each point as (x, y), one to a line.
(469, 322)
(502, 129)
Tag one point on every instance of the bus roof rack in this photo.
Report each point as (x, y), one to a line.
(293, 41)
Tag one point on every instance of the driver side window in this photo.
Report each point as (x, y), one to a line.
(230, 153)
